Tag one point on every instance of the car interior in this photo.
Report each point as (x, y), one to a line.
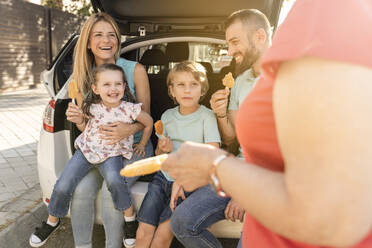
(158, 59)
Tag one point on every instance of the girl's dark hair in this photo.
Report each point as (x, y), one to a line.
(92, 98)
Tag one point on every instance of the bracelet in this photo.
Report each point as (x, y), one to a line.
(221, 117)
(215, 182)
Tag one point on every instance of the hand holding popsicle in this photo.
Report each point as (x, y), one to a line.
(73, 91)
(159, 128)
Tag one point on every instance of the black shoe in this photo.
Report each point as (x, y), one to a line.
(41, 234)
(130, 229)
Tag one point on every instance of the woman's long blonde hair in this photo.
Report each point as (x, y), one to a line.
(84, 58)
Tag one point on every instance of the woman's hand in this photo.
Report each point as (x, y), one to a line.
(191, 165)
(74, 114)
(139, 150)
(116, 131)
(177, 192)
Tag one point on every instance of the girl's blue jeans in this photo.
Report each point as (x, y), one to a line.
(83, 208)
(75, 170)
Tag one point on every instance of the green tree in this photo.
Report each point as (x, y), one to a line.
(77, 7)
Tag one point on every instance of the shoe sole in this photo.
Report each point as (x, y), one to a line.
(129, 246)
(42, 243)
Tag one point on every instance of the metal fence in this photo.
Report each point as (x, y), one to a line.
(30, 37)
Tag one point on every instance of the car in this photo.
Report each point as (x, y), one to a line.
(157, 34)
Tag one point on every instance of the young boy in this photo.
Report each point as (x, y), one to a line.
(187, 84)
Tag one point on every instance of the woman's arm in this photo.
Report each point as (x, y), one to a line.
(323, 115)
(141, 84)
(225, 117)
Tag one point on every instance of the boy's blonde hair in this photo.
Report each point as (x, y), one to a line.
(84, 58)
(198, 72)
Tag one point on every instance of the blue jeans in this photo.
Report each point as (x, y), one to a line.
(83, 208)
(76, 168)
(194, 215)
(155, 206)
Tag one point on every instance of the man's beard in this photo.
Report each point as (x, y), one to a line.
(250, 57)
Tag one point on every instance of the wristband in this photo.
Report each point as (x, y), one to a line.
(221, 117)
(215, 182)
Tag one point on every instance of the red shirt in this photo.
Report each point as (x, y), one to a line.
(339, 30)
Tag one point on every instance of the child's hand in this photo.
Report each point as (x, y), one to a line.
(74, 114)
(165, 145)
(177, 191)
(139, 150)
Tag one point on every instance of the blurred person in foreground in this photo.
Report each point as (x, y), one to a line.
(305, 131)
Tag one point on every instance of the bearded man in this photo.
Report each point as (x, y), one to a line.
(248, 35)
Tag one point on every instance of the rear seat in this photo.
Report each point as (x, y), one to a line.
(153, 60)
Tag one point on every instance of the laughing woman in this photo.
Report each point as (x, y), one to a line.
(99, 43)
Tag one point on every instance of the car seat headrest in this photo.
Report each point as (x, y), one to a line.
(207, 66)
(177, 51)
(153, 57)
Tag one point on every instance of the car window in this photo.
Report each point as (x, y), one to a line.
(64, 65)
(207, 53)
(215, 55)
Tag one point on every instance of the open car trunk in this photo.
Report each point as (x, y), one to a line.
(138, 17)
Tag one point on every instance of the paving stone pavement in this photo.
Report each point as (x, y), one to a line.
(20, 123)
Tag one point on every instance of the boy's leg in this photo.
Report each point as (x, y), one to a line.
(145, 233)
(163, 236)
(154, 208)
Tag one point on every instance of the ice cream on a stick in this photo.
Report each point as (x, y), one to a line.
(73, 91)
(159, 128)
(144, 166)
(228, 80)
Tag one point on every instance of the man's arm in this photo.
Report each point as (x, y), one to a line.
(226, 126)
(225, 119)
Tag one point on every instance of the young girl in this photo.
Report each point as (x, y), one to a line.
(102, 105)
(187, 84)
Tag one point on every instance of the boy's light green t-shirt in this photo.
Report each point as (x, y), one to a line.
(200, 126)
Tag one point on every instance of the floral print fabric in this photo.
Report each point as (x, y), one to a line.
(95, 149)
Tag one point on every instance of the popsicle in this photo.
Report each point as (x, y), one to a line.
(144, 166)
(228, 80)
(159, 129)
(73, 91)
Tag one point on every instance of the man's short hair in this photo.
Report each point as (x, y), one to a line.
(253, 19)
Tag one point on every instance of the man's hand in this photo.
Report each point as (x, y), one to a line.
(234, 211)
(114, 132)
(219, 101)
